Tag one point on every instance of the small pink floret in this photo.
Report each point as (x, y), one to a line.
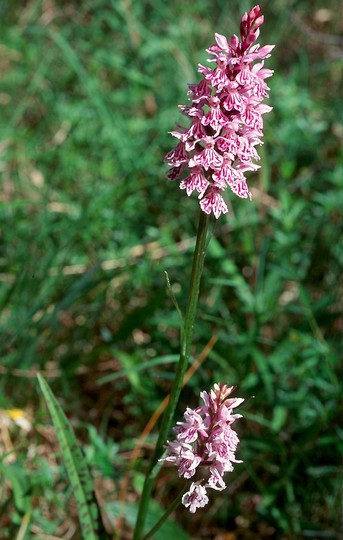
(195, 498)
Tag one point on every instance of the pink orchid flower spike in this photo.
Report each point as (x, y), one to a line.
(226, 110)
(206, 444)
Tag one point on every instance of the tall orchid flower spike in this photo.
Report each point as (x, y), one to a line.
(226, 110)
(205, 444)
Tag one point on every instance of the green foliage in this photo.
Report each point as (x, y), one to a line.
(169, 529)
(75, 464)
(89, 225)
(16, 475)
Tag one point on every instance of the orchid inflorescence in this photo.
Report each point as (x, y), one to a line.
(206, 444)
(226, 112)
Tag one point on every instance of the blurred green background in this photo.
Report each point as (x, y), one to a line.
(89, 223)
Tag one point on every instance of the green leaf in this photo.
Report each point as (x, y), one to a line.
(279, 417)
(20, 483)
(75, 464)
(160, 361)
(169, 530)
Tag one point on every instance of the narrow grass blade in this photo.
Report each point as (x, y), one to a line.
(173, 297)
(75, 464)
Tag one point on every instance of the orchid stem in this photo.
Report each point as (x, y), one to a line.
(185, 347)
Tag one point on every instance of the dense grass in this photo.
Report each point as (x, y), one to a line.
(88, 224)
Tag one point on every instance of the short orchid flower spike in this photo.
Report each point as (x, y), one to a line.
(205, 444)
(226, 109)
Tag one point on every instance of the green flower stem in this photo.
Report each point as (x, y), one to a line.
(186, 341)
(176, 502)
